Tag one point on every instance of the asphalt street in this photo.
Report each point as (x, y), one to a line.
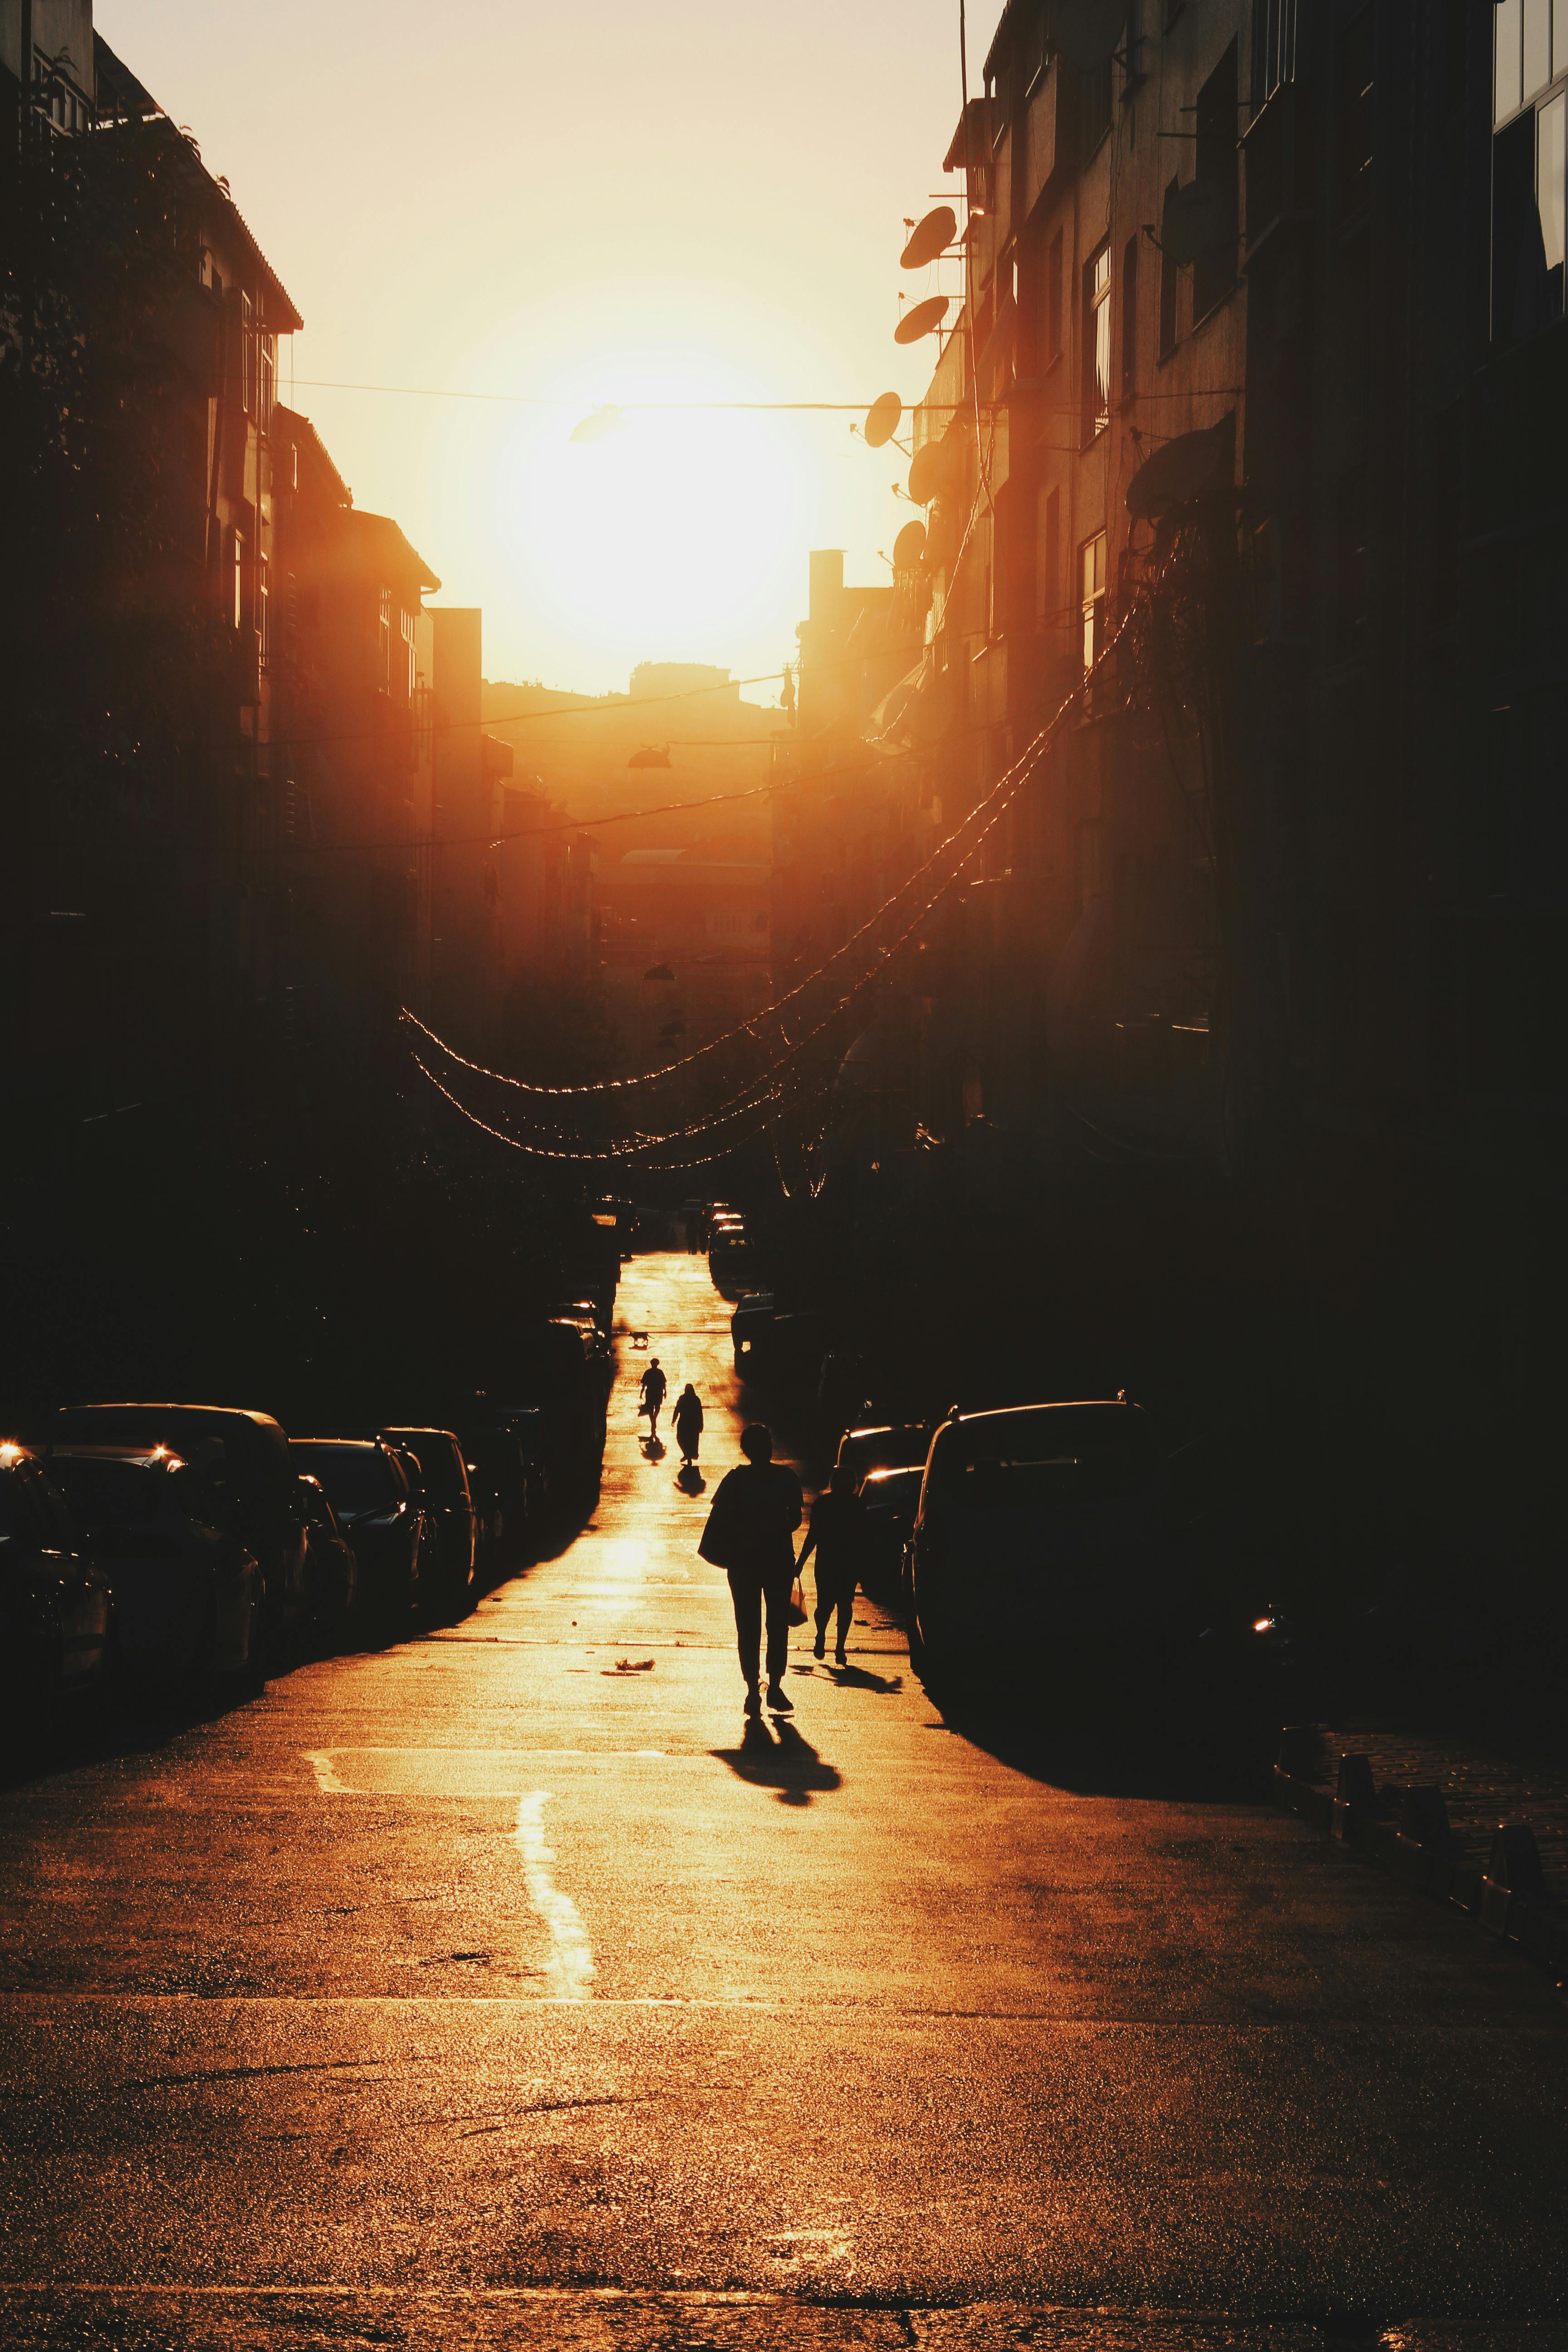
(496, 1988)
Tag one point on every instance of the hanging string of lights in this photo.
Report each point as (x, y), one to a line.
(749, 1028)
(763, 1091)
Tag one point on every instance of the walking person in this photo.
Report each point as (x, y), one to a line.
(687, 1423)
(651, 1392)
(838, 1538)
(754, 1515)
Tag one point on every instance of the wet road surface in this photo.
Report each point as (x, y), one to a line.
(495, 1989)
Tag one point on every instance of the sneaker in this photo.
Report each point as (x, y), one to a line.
(819, 1647)
(753, 1702)
(779, 1700)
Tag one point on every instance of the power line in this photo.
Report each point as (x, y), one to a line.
(876, 758)
(778, 407)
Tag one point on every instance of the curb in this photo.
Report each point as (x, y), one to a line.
(1507, 1898)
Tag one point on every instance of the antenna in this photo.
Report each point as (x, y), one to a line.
(910, 547)
(1087, 32)
(1194, 219)
(923, 320)
(1175, 476)
(882, 419)
(933, 236)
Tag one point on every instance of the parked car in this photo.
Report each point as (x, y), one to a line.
(245, 1452)
(731, 1261)
(749, 1326)
(54, 1599)
(891, 1498)
(187, 1591)
(600, 1313)
(448, 1505)
(548, 1370)
(368, 1489)
(330, 1565)
(895, 1445)
(1037, 1534)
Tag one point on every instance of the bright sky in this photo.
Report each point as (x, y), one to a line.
(601, 202)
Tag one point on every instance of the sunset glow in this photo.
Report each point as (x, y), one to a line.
(722, 219)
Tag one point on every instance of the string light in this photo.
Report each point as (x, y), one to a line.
(748, 1027)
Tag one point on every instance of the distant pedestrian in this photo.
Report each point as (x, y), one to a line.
(753, 1517)
(687, 1423)
(651, 1391)
(838, 1538)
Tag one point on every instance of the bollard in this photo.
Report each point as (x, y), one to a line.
(1424, 1817)
(1355, 1795)
(1513, 1881)
(1300, 1751)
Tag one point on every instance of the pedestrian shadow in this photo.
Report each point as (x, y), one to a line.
(861, 1678)
(653, 1448)
(690, 1479)
(780, 1759)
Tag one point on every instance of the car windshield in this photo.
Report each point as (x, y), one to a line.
(357, 1477)
(122, 1494)
(892, 1490)
(443, 1474)
(885, 1449)
(1061, 1455)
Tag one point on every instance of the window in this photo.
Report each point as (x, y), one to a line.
(1051, 558)
(1095, 98)
(1273, 46)
(1097, 343)
(384, 643)
(1530, 49)
(1130, 320)
(268, 378)
(1169, 281)
(236, 577)
(264, 607)
(1092, 570)
(1214, 271)
(248, 354)
(1055, 322)
(410, 681)
(1353, 111)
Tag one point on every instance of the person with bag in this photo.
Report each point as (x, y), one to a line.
(651, 1391)
(838, 1538)
(753, 1517)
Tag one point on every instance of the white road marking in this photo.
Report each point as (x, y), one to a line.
(572, 1958)
(327, 1779)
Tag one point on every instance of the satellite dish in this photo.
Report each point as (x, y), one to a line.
(923, 320)
(932, 235)
(652, 755)
(926, 469)
(1087, 32)
(598, 425)
(1175, 476)
(882, 419)
(1194, 219)
(910, 547)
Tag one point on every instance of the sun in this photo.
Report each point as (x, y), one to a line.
(681, 533)
(670, 528)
